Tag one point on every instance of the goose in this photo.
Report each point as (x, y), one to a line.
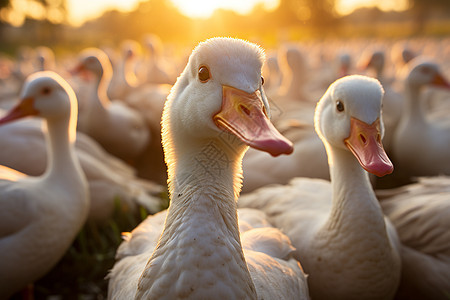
(124, 79)
(109, 178)
(392, 101)
(215, 110)
(156, 70)
(40, 216)
(139, 97)
(45, 59)
(420, 211)
(127, 133)
(420, 145)
(345, 244)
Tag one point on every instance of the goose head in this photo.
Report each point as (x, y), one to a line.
(93, 61)
(348, 117)
(47, 95)
(374, 61)
(344, 64)
(130, 49)
(219, 96)
(423, 73)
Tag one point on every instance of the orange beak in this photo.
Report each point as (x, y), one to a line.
(23, 109)
(440, 81)
(82, 72)
(365, 143)
(244, 115)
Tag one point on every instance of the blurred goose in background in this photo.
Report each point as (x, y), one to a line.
(155, 69)
(420, 212)
(24, 65)
(271, 73)
(149, 99)
(345, 244)
(120, 129)
(421, 144)
(124, 80)
(199, 254)
(45, 59)
(40, 216)
(392, 101)
(110, 180)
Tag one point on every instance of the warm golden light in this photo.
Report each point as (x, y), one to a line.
(204, 9)
(82, 10)
(345, 7)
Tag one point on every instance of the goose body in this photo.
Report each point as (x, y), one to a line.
(127, 134)
(199, 254)
(420, 143)
(342, 239)
(40, 216)
(109, 178)
(420, 213)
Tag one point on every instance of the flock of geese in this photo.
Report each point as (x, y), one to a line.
(312, 221)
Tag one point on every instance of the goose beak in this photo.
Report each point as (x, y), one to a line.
(23, 109)
(81, 71)
(440, 81)
(365, 143)
(245, 116)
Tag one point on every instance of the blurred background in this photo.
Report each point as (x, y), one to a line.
(74, 24)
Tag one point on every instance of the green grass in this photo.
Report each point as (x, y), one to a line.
(81, 272)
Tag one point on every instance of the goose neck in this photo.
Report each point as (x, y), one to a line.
(62, 159)
(201, 223)
(412, 111)
(354, 205)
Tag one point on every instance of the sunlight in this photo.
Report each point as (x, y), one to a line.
(82, 10)
(204, 9)
(345, 7)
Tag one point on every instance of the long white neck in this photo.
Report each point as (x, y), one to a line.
(99, 97)
(65, 177)
(199, 251)
(62, 158)
(354, 205)
(353, 242)
(412, 110)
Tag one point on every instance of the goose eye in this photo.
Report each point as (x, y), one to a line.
(203, 74)
(262, 80)
(339, 105)
(45, 91)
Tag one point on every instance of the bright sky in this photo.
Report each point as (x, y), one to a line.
(81, 10)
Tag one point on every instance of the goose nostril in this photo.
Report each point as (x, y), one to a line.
(363, 139)
(244, 109)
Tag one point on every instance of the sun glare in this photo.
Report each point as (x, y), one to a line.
(345, 7)
(204, 9)
(82, 10)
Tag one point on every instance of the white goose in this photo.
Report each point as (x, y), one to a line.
(216, 108)
(343, 240)
(124, 80)
(420, 144)
(40, 216)
(392, 100)
(127, 134)
(420, 212)
(109, 178)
